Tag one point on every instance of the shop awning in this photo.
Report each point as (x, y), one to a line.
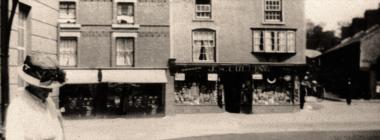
(81, 76)
(134, 76)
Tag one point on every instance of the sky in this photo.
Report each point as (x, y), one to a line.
(332, 12)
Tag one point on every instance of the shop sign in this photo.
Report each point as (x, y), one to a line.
(378, 88)
(179, 77)
(258, 76)
(212, 77)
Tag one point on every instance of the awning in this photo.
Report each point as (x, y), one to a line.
(81, 76)
(134, 76)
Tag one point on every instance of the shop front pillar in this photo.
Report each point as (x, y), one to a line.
(169, 97)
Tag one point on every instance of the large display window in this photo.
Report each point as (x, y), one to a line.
(275, 90)
(196, 89)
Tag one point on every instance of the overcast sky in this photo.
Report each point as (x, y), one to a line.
(331, 12)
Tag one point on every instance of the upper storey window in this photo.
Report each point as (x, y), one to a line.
(67, 12)
(125, 13)
(274, 41)
(273, 11)
(203, 9)
(204, 45)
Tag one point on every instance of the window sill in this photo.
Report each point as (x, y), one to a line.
(202, 20)
(273, 23)
(69, 26)
(263, 52)
(125, 26)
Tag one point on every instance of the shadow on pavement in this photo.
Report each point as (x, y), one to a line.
(307, 135)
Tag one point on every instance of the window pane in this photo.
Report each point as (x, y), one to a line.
(268, 41)
(203, 45)
(124, 51)
(291, 42)
(282, 44)
(273, 10)
(68, 52)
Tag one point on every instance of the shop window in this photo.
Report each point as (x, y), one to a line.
(203, 9)
(274, 41)
(124, 51)
(125, 13)
(67, 12)
(204, 46)
(274, 90)
(197, 90)
(68, 51)
(273, 11)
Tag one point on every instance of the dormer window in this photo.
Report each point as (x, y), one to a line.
(125, 13)
(67, 12)
(203, 9)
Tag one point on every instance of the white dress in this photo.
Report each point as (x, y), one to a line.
(30, 119)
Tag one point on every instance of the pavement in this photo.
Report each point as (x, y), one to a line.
(318, 118)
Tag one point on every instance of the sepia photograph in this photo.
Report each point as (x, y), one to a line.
(190, 70)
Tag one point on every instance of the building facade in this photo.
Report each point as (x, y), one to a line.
(115, 55)
(34, 30)
(234, 54)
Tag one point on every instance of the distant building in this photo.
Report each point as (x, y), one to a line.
(220, 49)
(115, 54)
(356, 59)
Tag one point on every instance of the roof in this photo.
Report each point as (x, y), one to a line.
(354, 39)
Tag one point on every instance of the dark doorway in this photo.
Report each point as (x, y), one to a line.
(232, 90)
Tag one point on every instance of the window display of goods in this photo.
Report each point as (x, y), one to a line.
(271, 97)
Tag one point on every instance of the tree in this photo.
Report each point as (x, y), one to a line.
(320, 40)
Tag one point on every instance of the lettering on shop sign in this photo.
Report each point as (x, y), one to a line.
(191, 69)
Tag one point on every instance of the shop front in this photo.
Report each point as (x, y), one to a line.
(114, 93)
(236, 89)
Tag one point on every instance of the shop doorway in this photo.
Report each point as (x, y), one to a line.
(235, 101)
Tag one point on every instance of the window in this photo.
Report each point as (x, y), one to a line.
(22, 37)
(278, 41)
(273, 11)
(124, 51)
(68, 51)
(204, 45)
(67, 12)
(125, 13)
(203, 9)
(22, 25)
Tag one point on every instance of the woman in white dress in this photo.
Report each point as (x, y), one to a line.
(32, 114)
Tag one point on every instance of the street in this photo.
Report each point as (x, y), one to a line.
(319, 120)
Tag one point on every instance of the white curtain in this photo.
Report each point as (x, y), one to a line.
(207, 38)
(268, 41)
(291, 41)
(282, 43)
(68, 52)
(124, 51)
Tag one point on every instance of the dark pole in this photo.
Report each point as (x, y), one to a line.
(4, 57)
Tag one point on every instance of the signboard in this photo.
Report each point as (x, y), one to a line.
(179, 77)
(377, 88)
(257, 76)
(212, 77)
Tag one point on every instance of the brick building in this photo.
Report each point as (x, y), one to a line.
(115, 54)
(221, 49)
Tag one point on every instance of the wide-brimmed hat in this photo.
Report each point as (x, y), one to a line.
(42, 71)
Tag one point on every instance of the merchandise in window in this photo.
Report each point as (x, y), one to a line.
(67, 12)
(124, 51)
(203, 9)
(192, 93)
(68, 51)
(273, 11)
(125, 13)
(274, 41)
(204, 46)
